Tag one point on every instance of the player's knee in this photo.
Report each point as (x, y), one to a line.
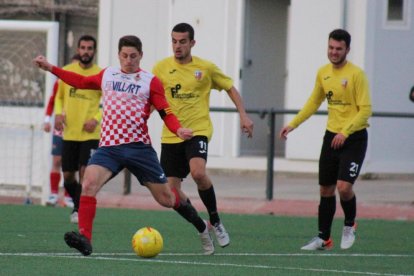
(198, 175)
(166, 201)
(345, 189)
(89, 186)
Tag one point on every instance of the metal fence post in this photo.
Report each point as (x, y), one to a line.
(270, 154)
(127, 182)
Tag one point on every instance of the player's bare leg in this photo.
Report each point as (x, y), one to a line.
(208, 196)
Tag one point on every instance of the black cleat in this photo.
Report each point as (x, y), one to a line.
(79, 242)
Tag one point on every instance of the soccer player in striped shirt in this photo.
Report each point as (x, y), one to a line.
(128, 94)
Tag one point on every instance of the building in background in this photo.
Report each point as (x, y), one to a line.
(273, 49)
(75, 18)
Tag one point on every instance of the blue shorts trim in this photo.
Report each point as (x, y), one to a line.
(56, 145)
(139, 158)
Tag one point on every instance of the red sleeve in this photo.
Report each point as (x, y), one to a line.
(158, 100)
(79, 81)
(51, 103)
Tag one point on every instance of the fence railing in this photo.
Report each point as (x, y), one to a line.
(271, 113)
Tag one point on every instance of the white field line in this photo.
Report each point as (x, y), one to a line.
(114, 257)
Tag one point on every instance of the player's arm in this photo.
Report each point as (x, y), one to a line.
(91, 124)
(49, 108)
(58, 108)
(311, 106)
(71, 78)
(363, 102)
(246, 123)
(158, 100)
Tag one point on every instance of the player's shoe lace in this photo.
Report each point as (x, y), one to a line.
(68, 202)
(79, 242)
(348, 236)
(52, 200)
(207, 241)
(318, 244)
(74, 218)
(221, 234)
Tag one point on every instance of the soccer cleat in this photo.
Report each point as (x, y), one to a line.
(207, 241)
(68, 202)
(348, 236)
(318, 244)
(74, 218)
(79, 242)
(52, 200)
(221, 234)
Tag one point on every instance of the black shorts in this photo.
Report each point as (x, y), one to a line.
(175, 158)
(76, 154)
(344, 163)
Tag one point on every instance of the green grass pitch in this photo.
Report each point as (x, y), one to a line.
(31, 242)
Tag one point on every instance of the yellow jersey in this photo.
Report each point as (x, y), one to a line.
(347, 92)
(187, 88)
(78, 106)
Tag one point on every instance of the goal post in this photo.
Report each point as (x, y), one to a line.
(25, 159)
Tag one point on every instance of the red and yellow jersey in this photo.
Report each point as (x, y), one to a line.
(79, 106)
(187, 89)
(347, 92)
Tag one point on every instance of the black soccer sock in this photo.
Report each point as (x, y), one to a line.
(209, 199)
(187, 211)
(326, 213)
(349, 208)
(74, 189)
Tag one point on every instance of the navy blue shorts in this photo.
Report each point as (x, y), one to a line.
(139, 158)
(344, 163)
(56, 145)
(175, 158)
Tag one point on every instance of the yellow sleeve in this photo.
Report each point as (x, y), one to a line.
(58, 109)
(311, 106)
(363, 102)
(98, 115)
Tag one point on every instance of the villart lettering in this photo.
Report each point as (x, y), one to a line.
(125, 87)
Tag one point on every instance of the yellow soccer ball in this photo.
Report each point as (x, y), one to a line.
(147, 242)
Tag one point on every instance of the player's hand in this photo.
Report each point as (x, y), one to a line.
(90, 125)
(247, 126)
(59, 122)
(284, 132)
(338, 141)
(47, 127)
(185, 133)
(42, 63)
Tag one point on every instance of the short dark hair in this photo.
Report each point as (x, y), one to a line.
(130, 41)
(341, 35)
(184, 28)
(87, 38)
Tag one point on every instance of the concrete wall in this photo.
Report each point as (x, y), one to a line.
(390, 56)
(384, 53)
(218, 38)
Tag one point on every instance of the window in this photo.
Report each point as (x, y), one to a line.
(397, 14)
(395, 10)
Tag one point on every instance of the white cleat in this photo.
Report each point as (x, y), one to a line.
(348, 236)
(222, 236)
(68, 202)
(52, 200)
(207, 241)
(318, 244)
(74, 217)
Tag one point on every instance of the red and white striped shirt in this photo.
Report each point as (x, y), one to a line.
(127, 99)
